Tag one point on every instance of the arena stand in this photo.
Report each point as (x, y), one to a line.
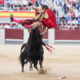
(65, 32)
(21, 34)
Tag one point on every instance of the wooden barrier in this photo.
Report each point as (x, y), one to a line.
(13, 34)
(17, 34)
(67, 35)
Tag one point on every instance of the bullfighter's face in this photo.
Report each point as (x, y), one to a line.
(43, 10)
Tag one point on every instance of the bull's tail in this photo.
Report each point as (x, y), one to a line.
(48, 47)
(20, 59)
(23, 46)
(25, 61)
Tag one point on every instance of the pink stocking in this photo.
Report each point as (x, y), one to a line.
(28, 26)
(17, 21)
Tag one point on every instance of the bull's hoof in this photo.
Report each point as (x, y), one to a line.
(42, 71)
(22, 71)
(62, 78)
(31, 69)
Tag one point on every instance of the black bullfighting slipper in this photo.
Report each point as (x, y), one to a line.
(11, 18)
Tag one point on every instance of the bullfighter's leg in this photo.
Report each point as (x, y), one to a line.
(26, 21)
(31, 68)
(33, 25)
(14, 20)
(28, 26)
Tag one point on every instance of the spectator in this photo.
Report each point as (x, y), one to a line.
(70, 21)
(78, 5)
(56, 12)
(29, 5)
(38, 3)
(1, 25)
(14, 26)
(67, 18)
(8, 7)
(1, 7)
(76, 12)
(15, 8)
(66, 27)
(75, 21)
(65, 8)
(69, 5)
(58, 20)
(10, 2)
(7, 26)
(43, 2)
(56, 2)
(71, 10)
(73, 15)
(34, 2)
(60, 2)
(74, 24)
(21, 8)
(79, 19)
(63, 20)
(74, 3)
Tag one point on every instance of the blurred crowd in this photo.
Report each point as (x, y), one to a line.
(70, 9)
(9, 26)
(21, 5)
(71, 14)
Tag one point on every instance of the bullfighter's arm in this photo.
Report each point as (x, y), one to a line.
(38, 13)
(35, 8)
(44, 30)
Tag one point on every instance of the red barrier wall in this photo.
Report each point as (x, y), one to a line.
(67, 34)
(59, 34)
(17, 34)
(1, 1)
(13, 34)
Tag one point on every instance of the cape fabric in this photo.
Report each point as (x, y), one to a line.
(50, 22)
(1, 1)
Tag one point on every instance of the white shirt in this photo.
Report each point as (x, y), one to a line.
(7, 26)
(76, 12)
(74, 22)
(0, 26)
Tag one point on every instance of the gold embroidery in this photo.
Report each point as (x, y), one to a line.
(40, 16)
(46, 15)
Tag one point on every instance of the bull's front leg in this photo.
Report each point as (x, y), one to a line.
(35, 65)
(22, 63)
(31, 68)
(41, 66)
(41, 58)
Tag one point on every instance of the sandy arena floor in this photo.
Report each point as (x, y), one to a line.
(64, 62)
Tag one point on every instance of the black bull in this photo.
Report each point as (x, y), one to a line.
(32, 52)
